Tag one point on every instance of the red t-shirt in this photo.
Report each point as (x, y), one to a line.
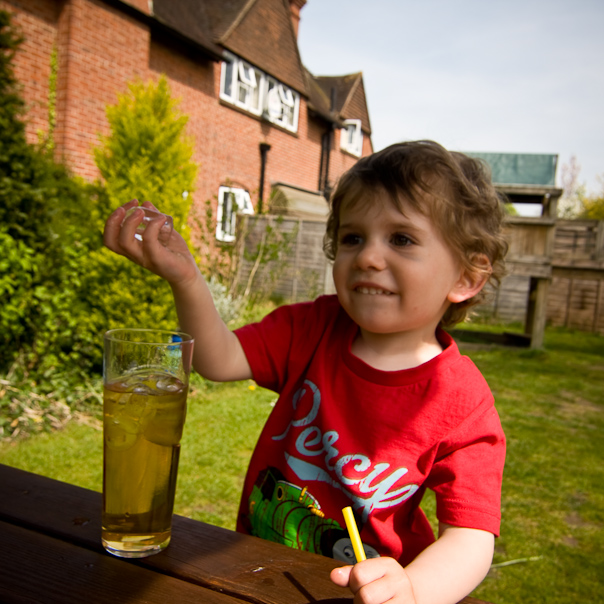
(343, 433)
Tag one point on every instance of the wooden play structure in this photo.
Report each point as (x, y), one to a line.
(531, 250)
(555, 268)
(576, 295)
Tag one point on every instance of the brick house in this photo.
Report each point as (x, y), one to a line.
(259, 119)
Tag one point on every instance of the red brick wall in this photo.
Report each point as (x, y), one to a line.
(37, 20)
(143, 5)
(101, 49)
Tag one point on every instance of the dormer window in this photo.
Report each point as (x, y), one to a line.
(248, 95)
(351, 137)
(281, 105)
(240, 84)
(252, 90)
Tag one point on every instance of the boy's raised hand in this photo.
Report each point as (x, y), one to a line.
(376, 580)
(169, 257)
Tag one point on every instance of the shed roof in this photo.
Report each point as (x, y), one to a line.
(520, 168)
(298, 202)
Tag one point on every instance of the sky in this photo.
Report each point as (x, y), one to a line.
(520, 76)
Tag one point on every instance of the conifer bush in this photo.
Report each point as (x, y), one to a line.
(146, 156)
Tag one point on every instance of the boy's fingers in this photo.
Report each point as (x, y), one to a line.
(340, 576)
(113, 225)
(155, 234)
(148, 204)
(126, 240)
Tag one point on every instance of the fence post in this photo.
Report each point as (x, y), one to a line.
(297, 261)
(599, 255)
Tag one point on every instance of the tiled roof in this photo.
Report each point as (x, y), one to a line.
(319, 100)
(189, 19)
(259, 31)
(264, 35)
(348, 94)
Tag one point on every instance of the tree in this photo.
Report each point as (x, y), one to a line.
(593, 205)
(148, 157)
(570, 203)
(575, 201)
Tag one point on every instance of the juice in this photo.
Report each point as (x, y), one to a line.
(144, 414)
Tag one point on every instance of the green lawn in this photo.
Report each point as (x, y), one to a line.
(551, 404)
(222, 426)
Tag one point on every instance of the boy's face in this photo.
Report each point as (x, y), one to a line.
(393, 272)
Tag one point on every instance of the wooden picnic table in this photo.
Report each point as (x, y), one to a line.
(50, 536)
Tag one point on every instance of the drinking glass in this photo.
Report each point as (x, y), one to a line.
(145, 383)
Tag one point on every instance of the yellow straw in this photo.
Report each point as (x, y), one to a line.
(353, 531)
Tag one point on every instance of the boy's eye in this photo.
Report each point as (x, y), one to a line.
(350, 239)
(400, 240)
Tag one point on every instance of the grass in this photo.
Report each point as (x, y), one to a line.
(551, 404)
(222, 426)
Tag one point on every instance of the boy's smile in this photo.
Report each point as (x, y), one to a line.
(394, 275)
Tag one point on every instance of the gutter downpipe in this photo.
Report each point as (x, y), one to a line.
(326, 141)
(264, 149)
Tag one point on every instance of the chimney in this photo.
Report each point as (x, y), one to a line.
(295, 6)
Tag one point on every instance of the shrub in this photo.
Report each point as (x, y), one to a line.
(146, 156)
(60, 289)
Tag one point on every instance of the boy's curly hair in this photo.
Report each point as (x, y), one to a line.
(455, 191)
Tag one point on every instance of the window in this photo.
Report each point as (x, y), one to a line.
(351, 137)
(281, 105)
(240, 84)
(231, 201)
(252, 90)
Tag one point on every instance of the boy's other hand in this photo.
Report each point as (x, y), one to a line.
(169, 257)
(376, 580)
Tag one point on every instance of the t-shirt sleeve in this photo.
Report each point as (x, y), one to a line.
(267, 345)
(467, 473)
(283, 343)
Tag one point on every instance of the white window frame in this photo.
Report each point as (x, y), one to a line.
(351, 137)
(228, 198)
(250, 89)
(281, 104)
(241, 84)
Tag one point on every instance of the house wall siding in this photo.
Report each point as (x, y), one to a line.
(101, 49)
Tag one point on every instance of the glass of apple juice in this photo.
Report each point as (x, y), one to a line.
(145, 383)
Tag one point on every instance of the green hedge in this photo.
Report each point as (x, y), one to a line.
(60, 289)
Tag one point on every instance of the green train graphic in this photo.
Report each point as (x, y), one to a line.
(286, 513)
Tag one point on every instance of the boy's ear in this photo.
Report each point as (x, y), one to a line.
(471, 280)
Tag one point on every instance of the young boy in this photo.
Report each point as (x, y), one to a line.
(376, 404)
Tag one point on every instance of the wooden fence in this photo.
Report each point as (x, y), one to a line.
(298, 271)
(577, 292)
(575, 297)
